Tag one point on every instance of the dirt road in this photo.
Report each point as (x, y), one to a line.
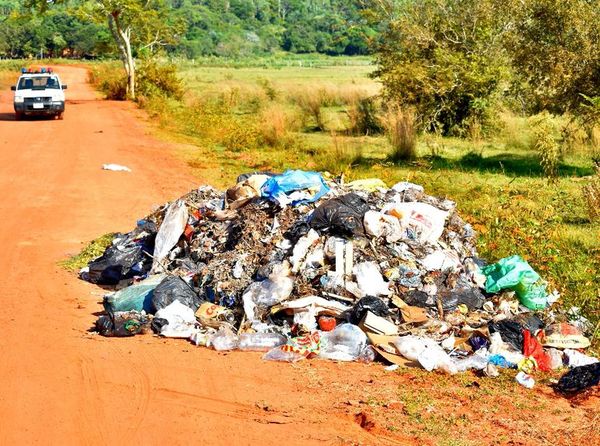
(60, 384)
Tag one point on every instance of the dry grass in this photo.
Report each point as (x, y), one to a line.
(276, 124)
(591, 193)
(402, 134)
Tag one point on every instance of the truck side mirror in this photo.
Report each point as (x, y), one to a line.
(64, 87)
(13, 87)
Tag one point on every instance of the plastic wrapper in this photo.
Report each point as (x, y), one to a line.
(426, 352)
(563, 335)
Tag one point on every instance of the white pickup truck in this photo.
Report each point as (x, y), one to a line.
(39, 93)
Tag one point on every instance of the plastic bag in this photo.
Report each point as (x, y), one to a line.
(368, 184)
(579, 378)
(475, 362)
(278, 187)
(345, 343)
(117, 263)
(174, 288)
(382, 225)
(525, 380)
(420, 221)
(532, 348)
(563, 335)
(261, 341)
(279, 354)
(136, 297)
(224, 339)
(515, 273)
(426, 351)
(369, 303)
(177, 313)
(577, 359)
(341, 216)
(120, 326)
(269, 292)
(370, 281)
(173, 225)
(510, 331)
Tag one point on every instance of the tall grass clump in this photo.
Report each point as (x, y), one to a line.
(591, 194)
(546, 145)
(341, 157)
(363, 115)
(401, 133)
(311, 103)
(275, 126)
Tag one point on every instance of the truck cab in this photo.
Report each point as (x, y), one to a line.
(39, 92)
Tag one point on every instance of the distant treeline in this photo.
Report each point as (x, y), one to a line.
(208, 28)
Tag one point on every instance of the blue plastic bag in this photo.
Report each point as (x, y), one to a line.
(279, 186)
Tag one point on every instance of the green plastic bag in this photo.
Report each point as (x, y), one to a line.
(515, 274)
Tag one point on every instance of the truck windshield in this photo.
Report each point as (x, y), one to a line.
(38, 83)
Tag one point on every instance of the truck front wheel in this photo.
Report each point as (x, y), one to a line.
(59, 116)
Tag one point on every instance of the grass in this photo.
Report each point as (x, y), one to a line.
(93, 249)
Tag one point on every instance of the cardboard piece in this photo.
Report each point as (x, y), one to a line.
(384, 345)
(410, 314)
(376, 324)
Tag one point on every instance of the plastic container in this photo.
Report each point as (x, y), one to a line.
(261, 342)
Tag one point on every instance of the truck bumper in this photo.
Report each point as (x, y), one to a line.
(50, 108)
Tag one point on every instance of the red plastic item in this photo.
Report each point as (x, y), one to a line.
(327, 323)
(533, 348)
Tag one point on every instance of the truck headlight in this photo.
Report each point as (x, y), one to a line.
(19, 99)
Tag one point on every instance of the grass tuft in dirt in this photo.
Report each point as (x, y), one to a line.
(93, 249)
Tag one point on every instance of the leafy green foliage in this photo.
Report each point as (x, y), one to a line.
(545, 144)
(443, 58)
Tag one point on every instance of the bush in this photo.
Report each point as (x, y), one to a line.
(158, 79)
(544, 130)
(363, 116)
(401, 132)
(443, 59)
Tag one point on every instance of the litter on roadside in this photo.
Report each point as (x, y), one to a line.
(116, 168)
(303, 266)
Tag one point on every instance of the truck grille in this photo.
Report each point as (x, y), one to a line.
(45, 100)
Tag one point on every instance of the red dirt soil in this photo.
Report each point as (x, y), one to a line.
(60, 384)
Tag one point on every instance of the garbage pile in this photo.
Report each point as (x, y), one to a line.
(302, 266)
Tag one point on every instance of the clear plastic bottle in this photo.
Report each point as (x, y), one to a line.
(261, 342)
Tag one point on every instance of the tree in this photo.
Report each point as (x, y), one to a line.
(555, 49)
(135, 25)
(442, 58)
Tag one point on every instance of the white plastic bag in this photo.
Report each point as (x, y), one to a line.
(370, 280)
(170, 230)
(420, 220)
(378, 225)
(426, 352)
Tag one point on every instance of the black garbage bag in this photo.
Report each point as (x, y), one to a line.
(245, 176)
(510, 331)
(368, 303)
(579, 378)
(423, 300)
(157, 324)
(471, 297)
(118, 263)
(341, 216)
(174, 288)
(297, 230)
(120, 327)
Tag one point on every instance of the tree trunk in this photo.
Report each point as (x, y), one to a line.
(123, 40)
